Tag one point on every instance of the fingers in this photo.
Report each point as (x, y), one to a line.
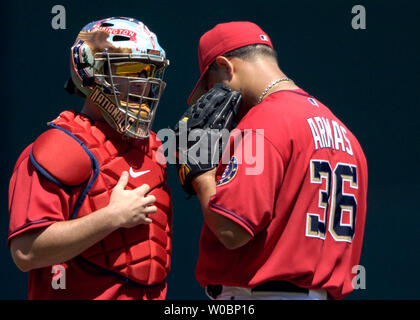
(147, 220)
(149, 210)
(148, 200)
(122, 181)
(146, 211)
(143, 189)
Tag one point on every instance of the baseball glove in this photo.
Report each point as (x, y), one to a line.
(203, 131)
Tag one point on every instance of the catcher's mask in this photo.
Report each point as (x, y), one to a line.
(118, 64)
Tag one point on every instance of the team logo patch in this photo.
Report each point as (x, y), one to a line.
(230, 172)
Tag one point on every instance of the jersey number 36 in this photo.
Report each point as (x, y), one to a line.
(341, 206)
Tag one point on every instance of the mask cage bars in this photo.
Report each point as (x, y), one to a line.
(141, 127)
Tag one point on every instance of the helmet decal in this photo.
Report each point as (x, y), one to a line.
(121, 122)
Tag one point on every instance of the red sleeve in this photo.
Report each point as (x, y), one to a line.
(34, 201)
(247, 187)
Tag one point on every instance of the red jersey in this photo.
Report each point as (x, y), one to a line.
(297, 182)
(37, 202)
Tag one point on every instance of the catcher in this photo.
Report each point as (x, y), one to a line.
(90, 211)
(294, 229)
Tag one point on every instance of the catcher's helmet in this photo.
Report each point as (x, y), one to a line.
(119, 64)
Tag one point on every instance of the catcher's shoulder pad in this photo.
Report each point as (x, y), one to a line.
(60, 158)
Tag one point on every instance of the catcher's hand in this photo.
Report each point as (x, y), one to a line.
(202, 132)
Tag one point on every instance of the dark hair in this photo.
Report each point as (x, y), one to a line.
(248, 52)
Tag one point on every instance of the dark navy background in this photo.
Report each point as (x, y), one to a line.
(369, 78)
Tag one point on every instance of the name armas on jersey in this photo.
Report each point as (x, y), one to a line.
(329, 134)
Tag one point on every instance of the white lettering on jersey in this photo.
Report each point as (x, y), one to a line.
(315, 134)
(321, 128)
(328, 132)
(348, 148)
(326, 137)
(338, 136)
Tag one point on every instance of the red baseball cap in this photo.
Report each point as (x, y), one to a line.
(223, 38)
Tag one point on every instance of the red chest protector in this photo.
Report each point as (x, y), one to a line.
(87, 160)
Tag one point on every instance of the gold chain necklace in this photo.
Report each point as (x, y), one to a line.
(272, 84)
